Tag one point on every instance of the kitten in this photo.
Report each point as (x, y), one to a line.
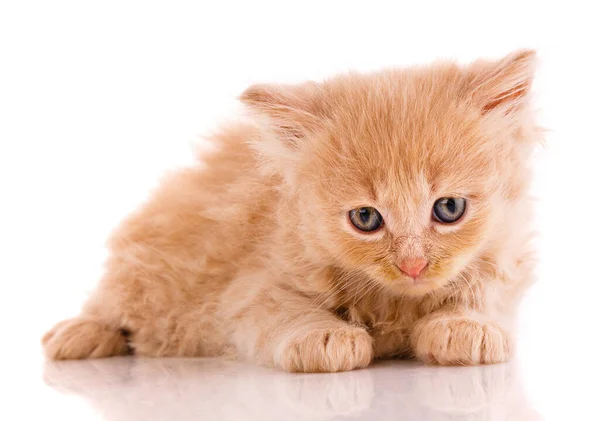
(369, 216)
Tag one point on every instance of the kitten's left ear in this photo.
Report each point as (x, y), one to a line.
(293, 111)
(502, 85)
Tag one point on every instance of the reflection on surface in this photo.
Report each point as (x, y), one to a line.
(195, 389)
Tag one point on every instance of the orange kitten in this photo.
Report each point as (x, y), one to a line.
(368, 216)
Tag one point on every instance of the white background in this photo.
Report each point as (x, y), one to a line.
(99, 98)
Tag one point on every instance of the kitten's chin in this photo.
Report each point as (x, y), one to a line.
(414, 288)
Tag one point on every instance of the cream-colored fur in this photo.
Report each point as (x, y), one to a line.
(251, 252)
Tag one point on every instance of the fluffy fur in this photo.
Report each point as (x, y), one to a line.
(251, 253)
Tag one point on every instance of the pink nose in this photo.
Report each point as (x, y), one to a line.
(413, 267)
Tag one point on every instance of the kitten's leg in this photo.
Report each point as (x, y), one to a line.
(459, 338)
(162, 280)
(131, 312)
(284, 329)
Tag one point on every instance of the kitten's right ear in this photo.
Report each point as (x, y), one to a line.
(505, 84)
(293, 111)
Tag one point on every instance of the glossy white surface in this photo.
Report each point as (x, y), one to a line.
(129, 389)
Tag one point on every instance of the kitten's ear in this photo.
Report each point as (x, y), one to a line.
(504, 84)
(294, 111)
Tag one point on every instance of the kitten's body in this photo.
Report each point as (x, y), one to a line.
(250, 253)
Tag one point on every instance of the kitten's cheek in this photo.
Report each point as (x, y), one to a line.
(390, 274)
(443, 270)
(439, 273)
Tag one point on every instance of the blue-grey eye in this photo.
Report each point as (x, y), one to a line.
(366, 219)
(449, 209)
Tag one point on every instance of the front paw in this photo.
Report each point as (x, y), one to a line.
(453, 340)
(326, 350)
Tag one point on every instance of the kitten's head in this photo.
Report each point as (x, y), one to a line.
(406, 175)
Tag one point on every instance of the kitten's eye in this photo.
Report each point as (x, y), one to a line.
(449, 209)
(366, 219)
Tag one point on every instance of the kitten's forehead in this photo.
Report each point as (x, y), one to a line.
(437, 148)
(405, 115)
(405, 139)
